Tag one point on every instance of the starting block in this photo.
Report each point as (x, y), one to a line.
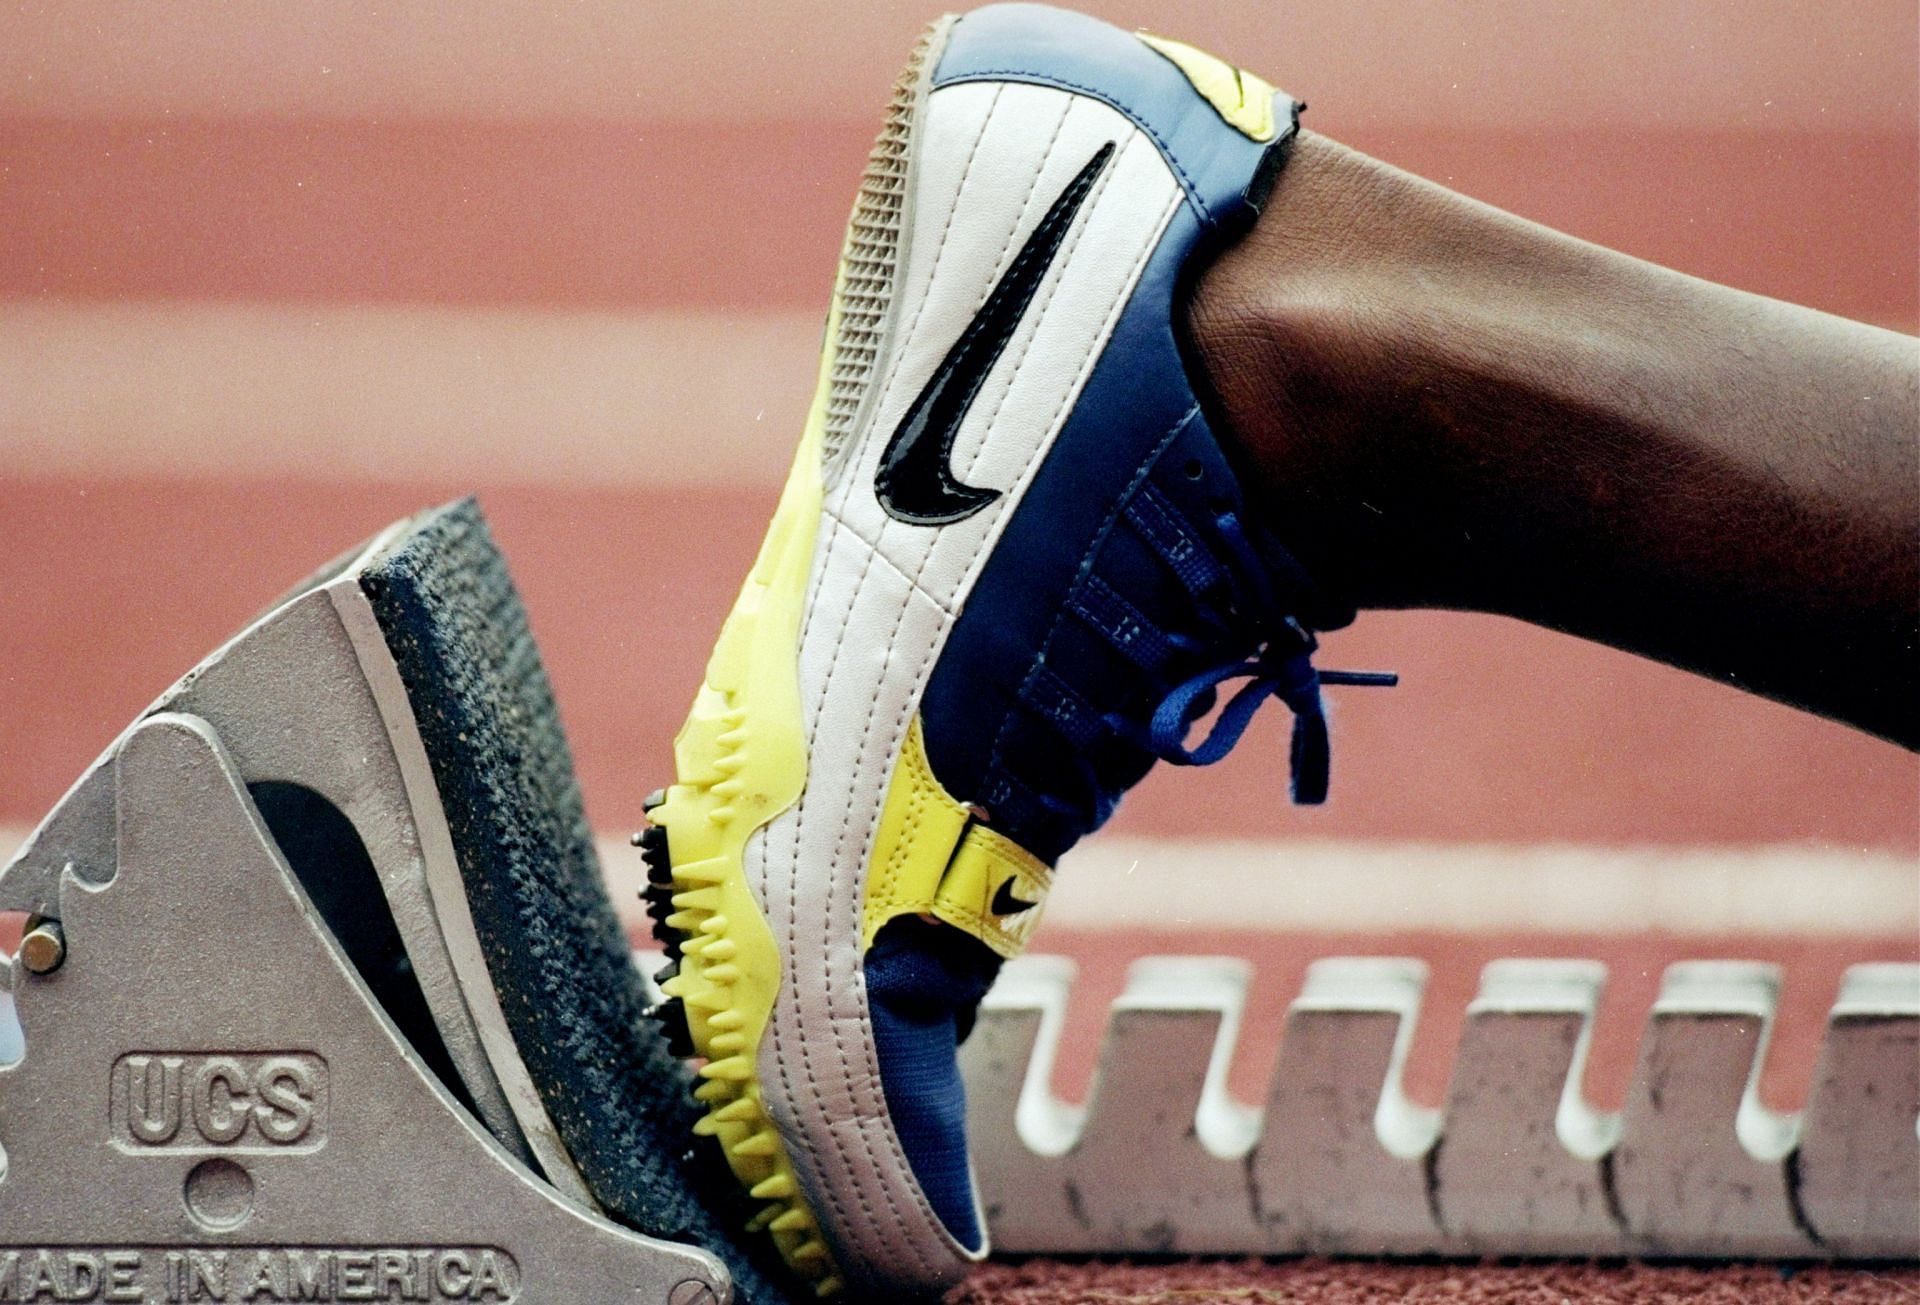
(320, 997)
(1515, 1164)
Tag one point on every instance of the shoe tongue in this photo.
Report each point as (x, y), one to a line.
(924, 983)
(927, 972)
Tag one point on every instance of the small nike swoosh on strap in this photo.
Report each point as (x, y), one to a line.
(1006, 903)
(915, 482)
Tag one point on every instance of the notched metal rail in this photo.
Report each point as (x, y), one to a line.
(1517, 1163)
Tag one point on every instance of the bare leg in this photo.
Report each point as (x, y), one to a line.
(1442, 405)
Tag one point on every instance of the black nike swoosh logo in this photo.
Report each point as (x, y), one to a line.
(1006, 903)
(915, 482)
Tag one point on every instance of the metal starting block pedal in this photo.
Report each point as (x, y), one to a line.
(1161, 1160)
(321, 998)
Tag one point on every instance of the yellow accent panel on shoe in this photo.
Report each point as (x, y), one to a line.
(930, 858)
(992, 871)
(920, 825)
(1244, 100)
(741, 760)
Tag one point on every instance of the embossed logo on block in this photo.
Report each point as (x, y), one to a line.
(266, 1101)
(148, 1275)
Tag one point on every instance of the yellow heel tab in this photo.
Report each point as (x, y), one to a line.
(1242, 99)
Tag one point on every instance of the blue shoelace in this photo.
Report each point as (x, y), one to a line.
(1279, 665)
(1248, 636)
(1272, 672)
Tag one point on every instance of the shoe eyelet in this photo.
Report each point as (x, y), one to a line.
(1193, 469)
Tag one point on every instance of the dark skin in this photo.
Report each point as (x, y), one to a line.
(1443, 405)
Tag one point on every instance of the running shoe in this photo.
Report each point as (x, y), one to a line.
(1009, 569)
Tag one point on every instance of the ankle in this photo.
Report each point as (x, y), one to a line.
(1314, 365)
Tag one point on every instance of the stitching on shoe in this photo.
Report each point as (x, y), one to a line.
(882, 1123)
(1026, 205)
(864, 1034)
(883, 385)
(836, 884)
(843, 525)
(1039, 312)
(996, 761)
(998, 510)
(800, 825)
(933, 269)
(928, 545)
(888, 1135)
(1071, 396)
(838, 860)
(1107, 97)
(828, 1193)
(871, 1128)
(864, 1031)
(825, 571)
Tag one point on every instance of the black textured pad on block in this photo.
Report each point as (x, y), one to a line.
(555, 950)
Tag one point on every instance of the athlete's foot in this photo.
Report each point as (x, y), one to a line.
(1011, 568)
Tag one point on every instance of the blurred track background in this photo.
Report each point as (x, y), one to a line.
(271, 276)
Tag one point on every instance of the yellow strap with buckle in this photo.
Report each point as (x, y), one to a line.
(932, 857)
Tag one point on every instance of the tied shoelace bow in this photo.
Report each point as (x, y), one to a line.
(1250, 638)
(1280, 666)
(1288, 675)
